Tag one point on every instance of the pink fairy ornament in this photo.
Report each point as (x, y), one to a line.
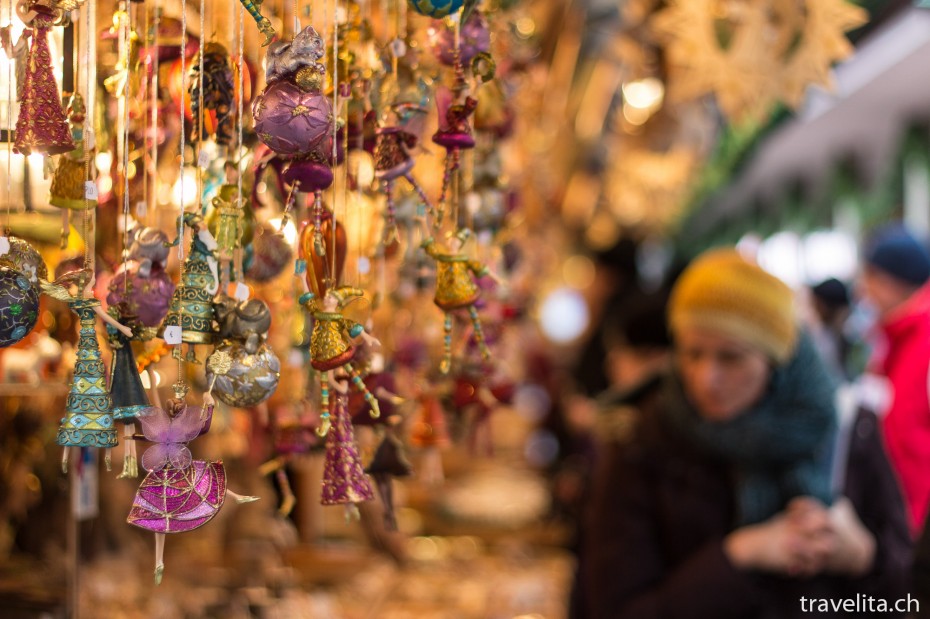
(42, 126)
(344, 480)
(179, 493)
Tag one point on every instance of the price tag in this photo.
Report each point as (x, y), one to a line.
(90, 190)
(141, 208)
(203, 160)
(90, 139)
(4, 245)
(173, 335)
(364, 265)
(242, 292)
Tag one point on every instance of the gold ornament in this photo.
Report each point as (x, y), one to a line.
(753, 53)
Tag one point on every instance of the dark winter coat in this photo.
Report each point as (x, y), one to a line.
(660, 511)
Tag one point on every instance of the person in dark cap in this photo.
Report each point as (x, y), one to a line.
(893, 280)
(830, 303)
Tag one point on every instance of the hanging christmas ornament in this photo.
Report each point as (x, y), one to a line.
(344, 480)
(332, 344)
(41, 126)
(89, 419)
(429, 432)
(292, 116)
(19, 306)
(127, 395)
(474, 39)
(263, 23)
(144, 286)
(272, 255)
(394, 155)
(456, 289)
(24, 258)
(179, 493)
(216, 88)
(389, 462)
(454, 134)
(436, 8)
(243, 371)
(192, 303)
(67, 188)
(231, 221)
(323, 252)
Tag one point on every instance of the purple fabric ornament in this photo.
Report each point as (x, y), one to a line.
(344, 480)
(147, 296)
(474, 38)
(293, 122)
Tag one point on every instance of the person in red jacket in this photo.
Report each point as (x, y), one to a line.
(893, 281)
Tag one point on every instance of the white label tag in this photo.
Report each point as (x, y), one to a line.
(90, 190)
(4, 245)
(203, 160)
(242, 292)
(84, 485)
(141, 208)
(173, 335)
(364, 265)
(90, 139)
(295, 358)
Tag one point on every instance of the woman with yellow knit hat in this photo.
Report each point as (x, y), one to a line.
(721, 498)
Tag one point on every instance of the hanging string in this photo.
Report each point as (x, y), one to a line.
(144, 88)
(200, 113)
(89, 135)
(153, 59)
(127, 91)
(9, 124)
(335, 79)
(241, 117)
(181, 178)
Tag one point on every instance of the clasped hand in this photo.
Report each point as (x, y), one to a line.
(804, 540)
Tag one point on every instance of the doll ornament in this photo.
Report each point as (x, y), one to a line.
(344, 480)
(89, 419)
(332, 345)
(127, 395)
(192, 303)
(178, 493)
(456, 289)
(41, 126)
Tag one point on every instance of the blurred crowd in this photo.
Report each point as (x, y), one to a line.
(737, 448)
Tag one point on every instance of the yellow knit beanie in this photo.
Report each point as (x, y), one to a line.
(723, 292)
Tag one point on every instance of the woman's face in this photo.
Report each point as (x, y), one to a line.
(722, 376)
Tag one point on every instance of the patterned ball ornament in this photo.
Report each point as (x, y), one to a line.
(293, 122)
(19, 306)
(247, 379)
(436, 8)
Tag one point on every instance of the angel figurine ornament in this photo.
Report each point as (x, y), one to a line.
(178, 493)
(456, 289)
(88, 421)
(332, 347)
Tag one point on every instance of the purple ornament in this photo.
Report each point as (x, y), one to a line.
(272, 255)
(146, 296)
(474, 39)
(344, 480)
(308, 175)
(293, 122)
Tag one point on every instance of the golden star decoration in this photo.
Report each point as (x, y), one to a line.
(753, 53)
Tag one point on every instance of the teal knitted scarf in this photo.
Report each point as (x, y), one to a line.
(779, 449)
